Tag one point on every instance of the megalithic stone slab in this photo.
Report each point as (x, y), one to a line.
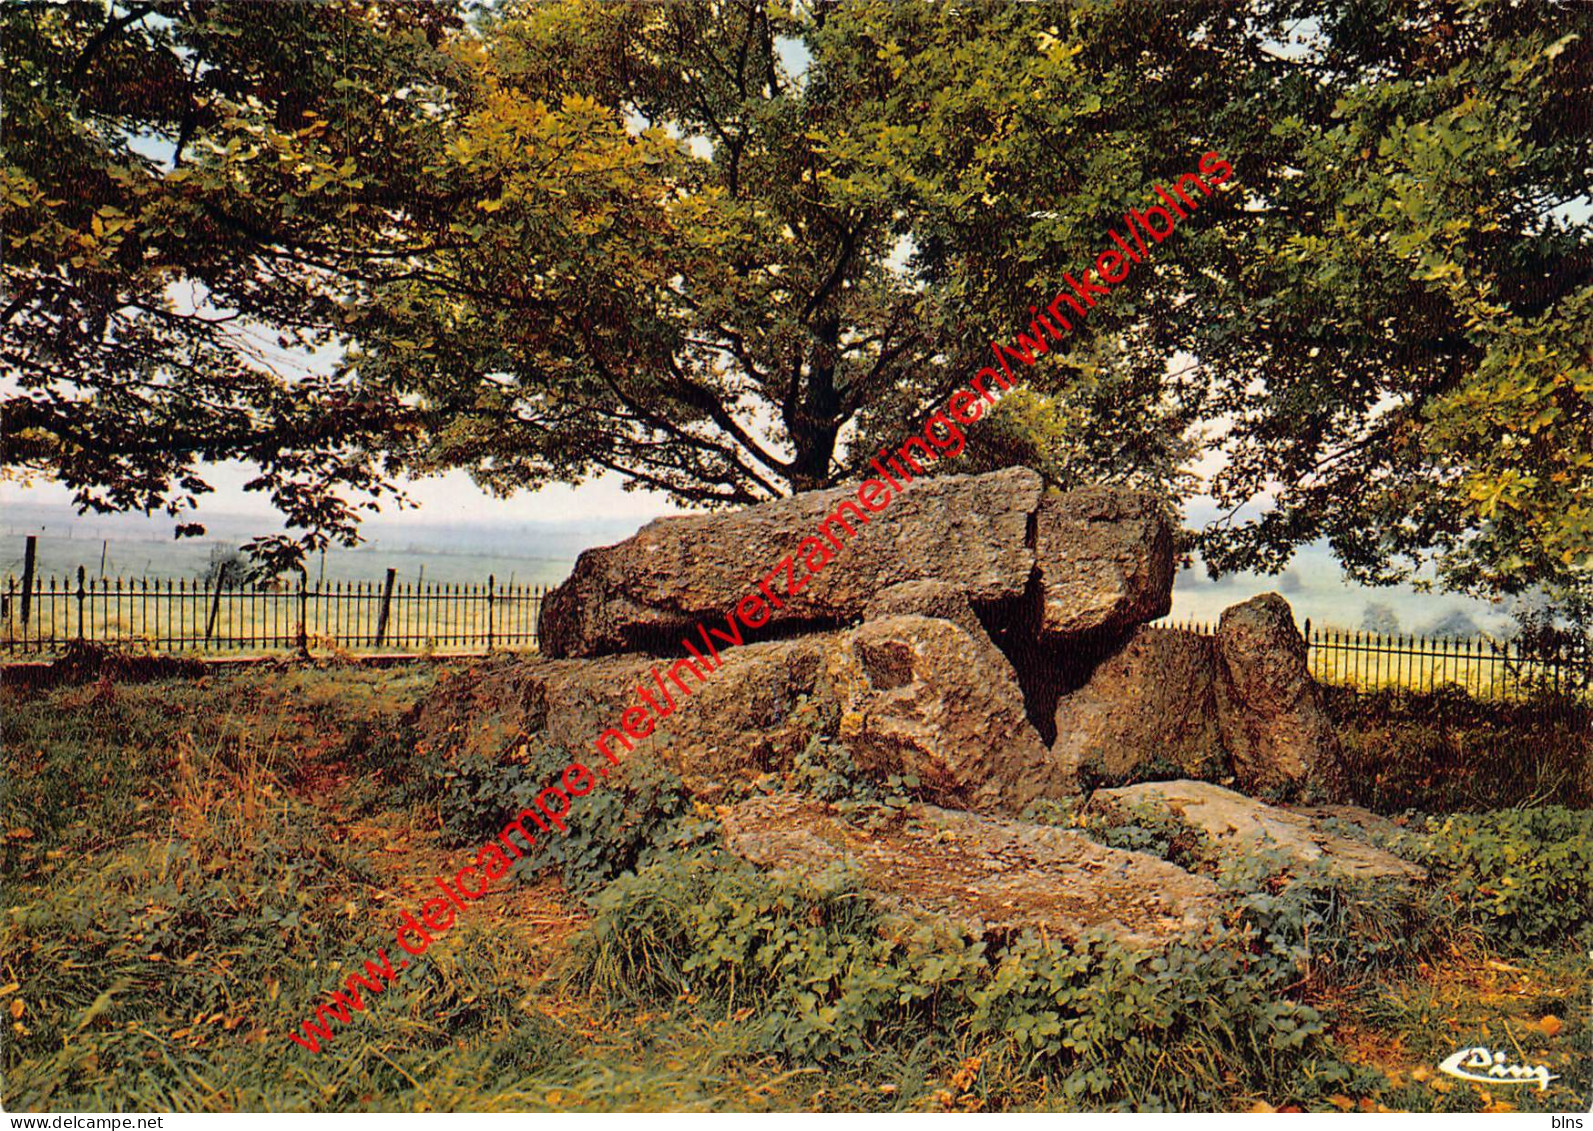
(988, 874)
(1095, 559)
(1105, 557)
(646, 592)
(1148, 711)
(1270, 710)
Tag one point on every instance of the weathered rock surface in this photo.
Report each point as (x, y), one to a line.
(920, 695)
(1148, 711)
(934, 599)
(986, 872)
(1096, 559)
(1105, 557)
(1232, 819)
(905, 694)
(741, 721)
(1274, 726)
(646, 592)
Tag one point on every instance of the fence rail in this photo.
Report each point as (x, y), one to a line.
(1483, 666)
(45, 617)
(202, 616)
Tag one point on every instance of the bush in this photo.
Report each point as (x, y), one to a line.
(1446, 751)
(1517, 877)
(612, 830)
(835, 979)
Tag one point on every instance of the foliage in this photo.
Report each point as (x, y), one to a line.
(1325, 929)
(174, 905)
(1442, 751)
(612, 830)
(1519, 877)
(1409, 284)
(834, 980)
(733, 301)
(186, 190)
(1147, 827)
(1556, 627)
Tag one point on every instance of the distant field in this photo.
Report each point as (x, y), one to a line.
(135, 547)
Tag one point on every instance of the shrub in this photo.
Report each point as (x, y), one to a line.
(612, 830)
(1445, 751)
(1321, 928)
(1517, 876)
(834, 978)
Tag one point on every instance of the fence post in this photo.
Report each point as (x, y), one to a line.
(492, 583)
(29, 557)
(81, 594)
(303, 641)
(387, 601)
(215, 606)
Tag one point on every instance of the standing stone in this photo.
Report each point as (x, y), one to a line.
(1274, 726)
(1149, 711)
(920, 696)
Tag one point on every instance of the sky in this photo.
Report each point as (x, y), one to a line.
(441, 500)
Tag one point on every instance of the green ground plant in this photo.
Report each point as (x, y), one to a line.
(835, 978)
(1446, 751)
(190, 863)
(1516, 877)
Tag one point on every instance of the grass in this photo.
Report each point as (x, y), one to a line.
(189, 864)
(1457, 753)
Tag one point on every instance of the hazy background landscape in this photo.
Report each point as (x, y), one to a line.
(443, 548)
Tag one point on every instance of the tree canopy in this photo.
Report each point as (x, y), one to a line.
(726, 249)
(186, 190)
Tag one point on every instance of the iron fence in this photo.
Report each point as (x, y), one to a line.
(1483, 666)
(44, 617)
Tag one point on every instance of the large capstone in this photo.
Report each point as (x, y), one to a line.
(1031, 563)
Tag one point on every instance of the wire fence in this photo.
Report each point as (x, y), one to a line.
(45, 617)
(1483, 666)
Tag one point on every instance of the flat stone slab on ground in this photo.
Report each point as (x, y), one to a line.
(1232, 819)
(985, 872)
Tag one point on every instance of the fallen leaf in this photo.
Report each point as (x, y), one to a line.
(1262, 1107)
(17, 1008)
(1551, 1025)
